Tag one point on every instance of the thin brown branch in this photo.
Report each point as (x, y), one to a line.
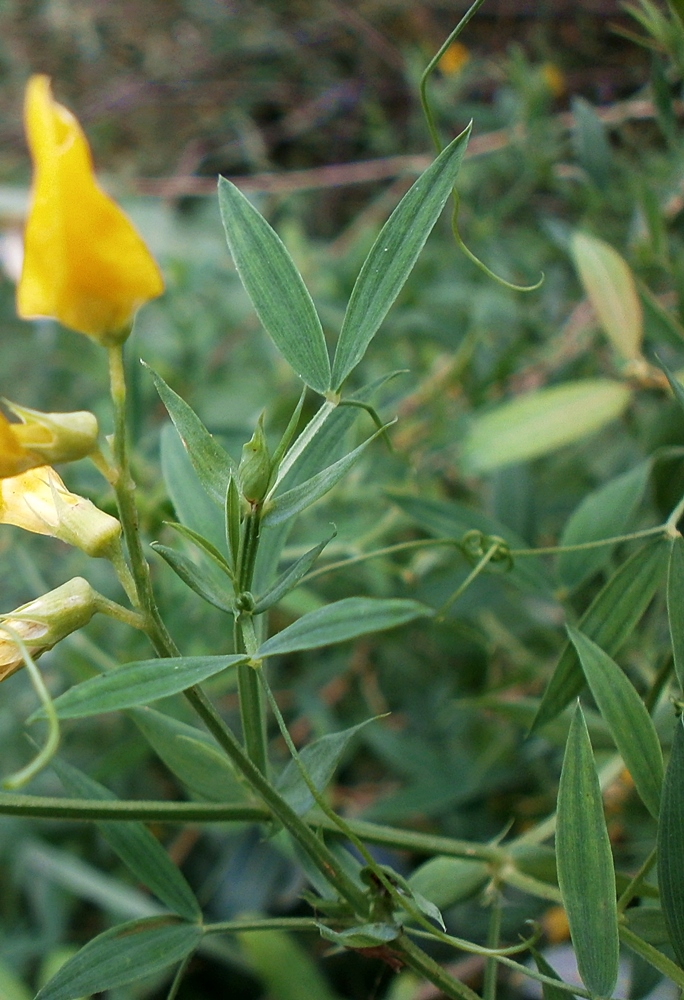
(384, 168)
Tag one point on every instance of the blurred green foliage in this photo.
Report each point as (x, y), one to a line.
(285, 86)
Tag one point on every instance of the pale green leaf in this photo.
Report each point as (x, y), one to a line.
(671, 845)
(612, 291)
(540, 422)
(675, 605)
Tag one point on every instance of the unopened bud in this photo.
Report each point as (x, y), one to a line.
(43, 622)
(54, 437)
(39, 501)
(254, 471)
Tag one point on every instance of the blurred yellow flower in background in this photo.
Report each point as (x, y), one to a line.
(454, 59)
(38, 501)
(84, 263)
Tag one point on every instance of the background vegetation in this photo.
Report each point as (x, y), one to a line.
(173, 93)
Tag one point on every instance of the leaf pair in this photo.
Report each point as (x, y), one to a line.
(279, 295)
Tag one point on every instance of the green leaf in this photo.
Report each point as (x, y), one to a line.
(447, 881)
(603, 514)
(549, 992)
(288, 580)
(197, 578)
(11, 987)
(675, 605)
(204, 544)
(540, 422)
(287, 971)
(292, 502)
(321, 759)
(190, 754)
(124, 954)
(649, 923)
(609, 283)
(671, 845)
(211, 462)
(275, 287)
(629, 722)
(362, 936)
(135, 845)
(585, 865)
(340, 621)
(138, 683)
(393, 255)
(450, 519)
(191, 503)
(590, 141)
(609, 621)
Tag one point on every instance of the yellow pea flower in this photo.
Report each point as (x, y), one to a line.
(84, 263)
(38, 501)
(44, 622)
(44, 437)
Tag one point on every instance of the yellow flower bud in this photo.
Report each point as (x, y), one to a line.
(39, 501)
(44, 437)
(84, 263)
(43, 622)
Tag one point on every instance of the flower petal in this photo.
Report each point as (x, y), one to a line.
(84, 263)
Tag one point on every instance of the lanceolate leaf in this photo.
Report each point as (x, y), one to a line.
(585, 865)
(675, 605)
(137, 848)
(541, 421)
(288, 580)
(275, 287)
(612, 291)
(321, 759)
(603, 514)
(629, 722)
(191, 503)
(198, 578)
(340, 621)
(393, 255)
(190, 754)
(210, 461)
(609, 621)
(292, 502)
(671, 845)
(139, 683)
(122, 955)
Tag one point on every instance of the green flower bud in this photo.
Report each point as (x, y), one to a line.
(254, 471)
(43, 622)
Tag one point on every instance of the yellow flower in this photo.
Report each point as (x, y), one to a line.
(39, 501)
(44, 437)
(84, 263)
(454, 59)
(43, 622)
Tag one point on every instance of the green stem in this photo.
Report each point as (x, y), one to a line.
(474, 573)
(49, 748)
(266, 924)
(493, 935)
(121, 614)
(653, 956)
(416, 959)
(430, 68)
(124, 488)
(252, 711)
(44, 807)
(324, 860)
(551, 550)
(633, 887)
